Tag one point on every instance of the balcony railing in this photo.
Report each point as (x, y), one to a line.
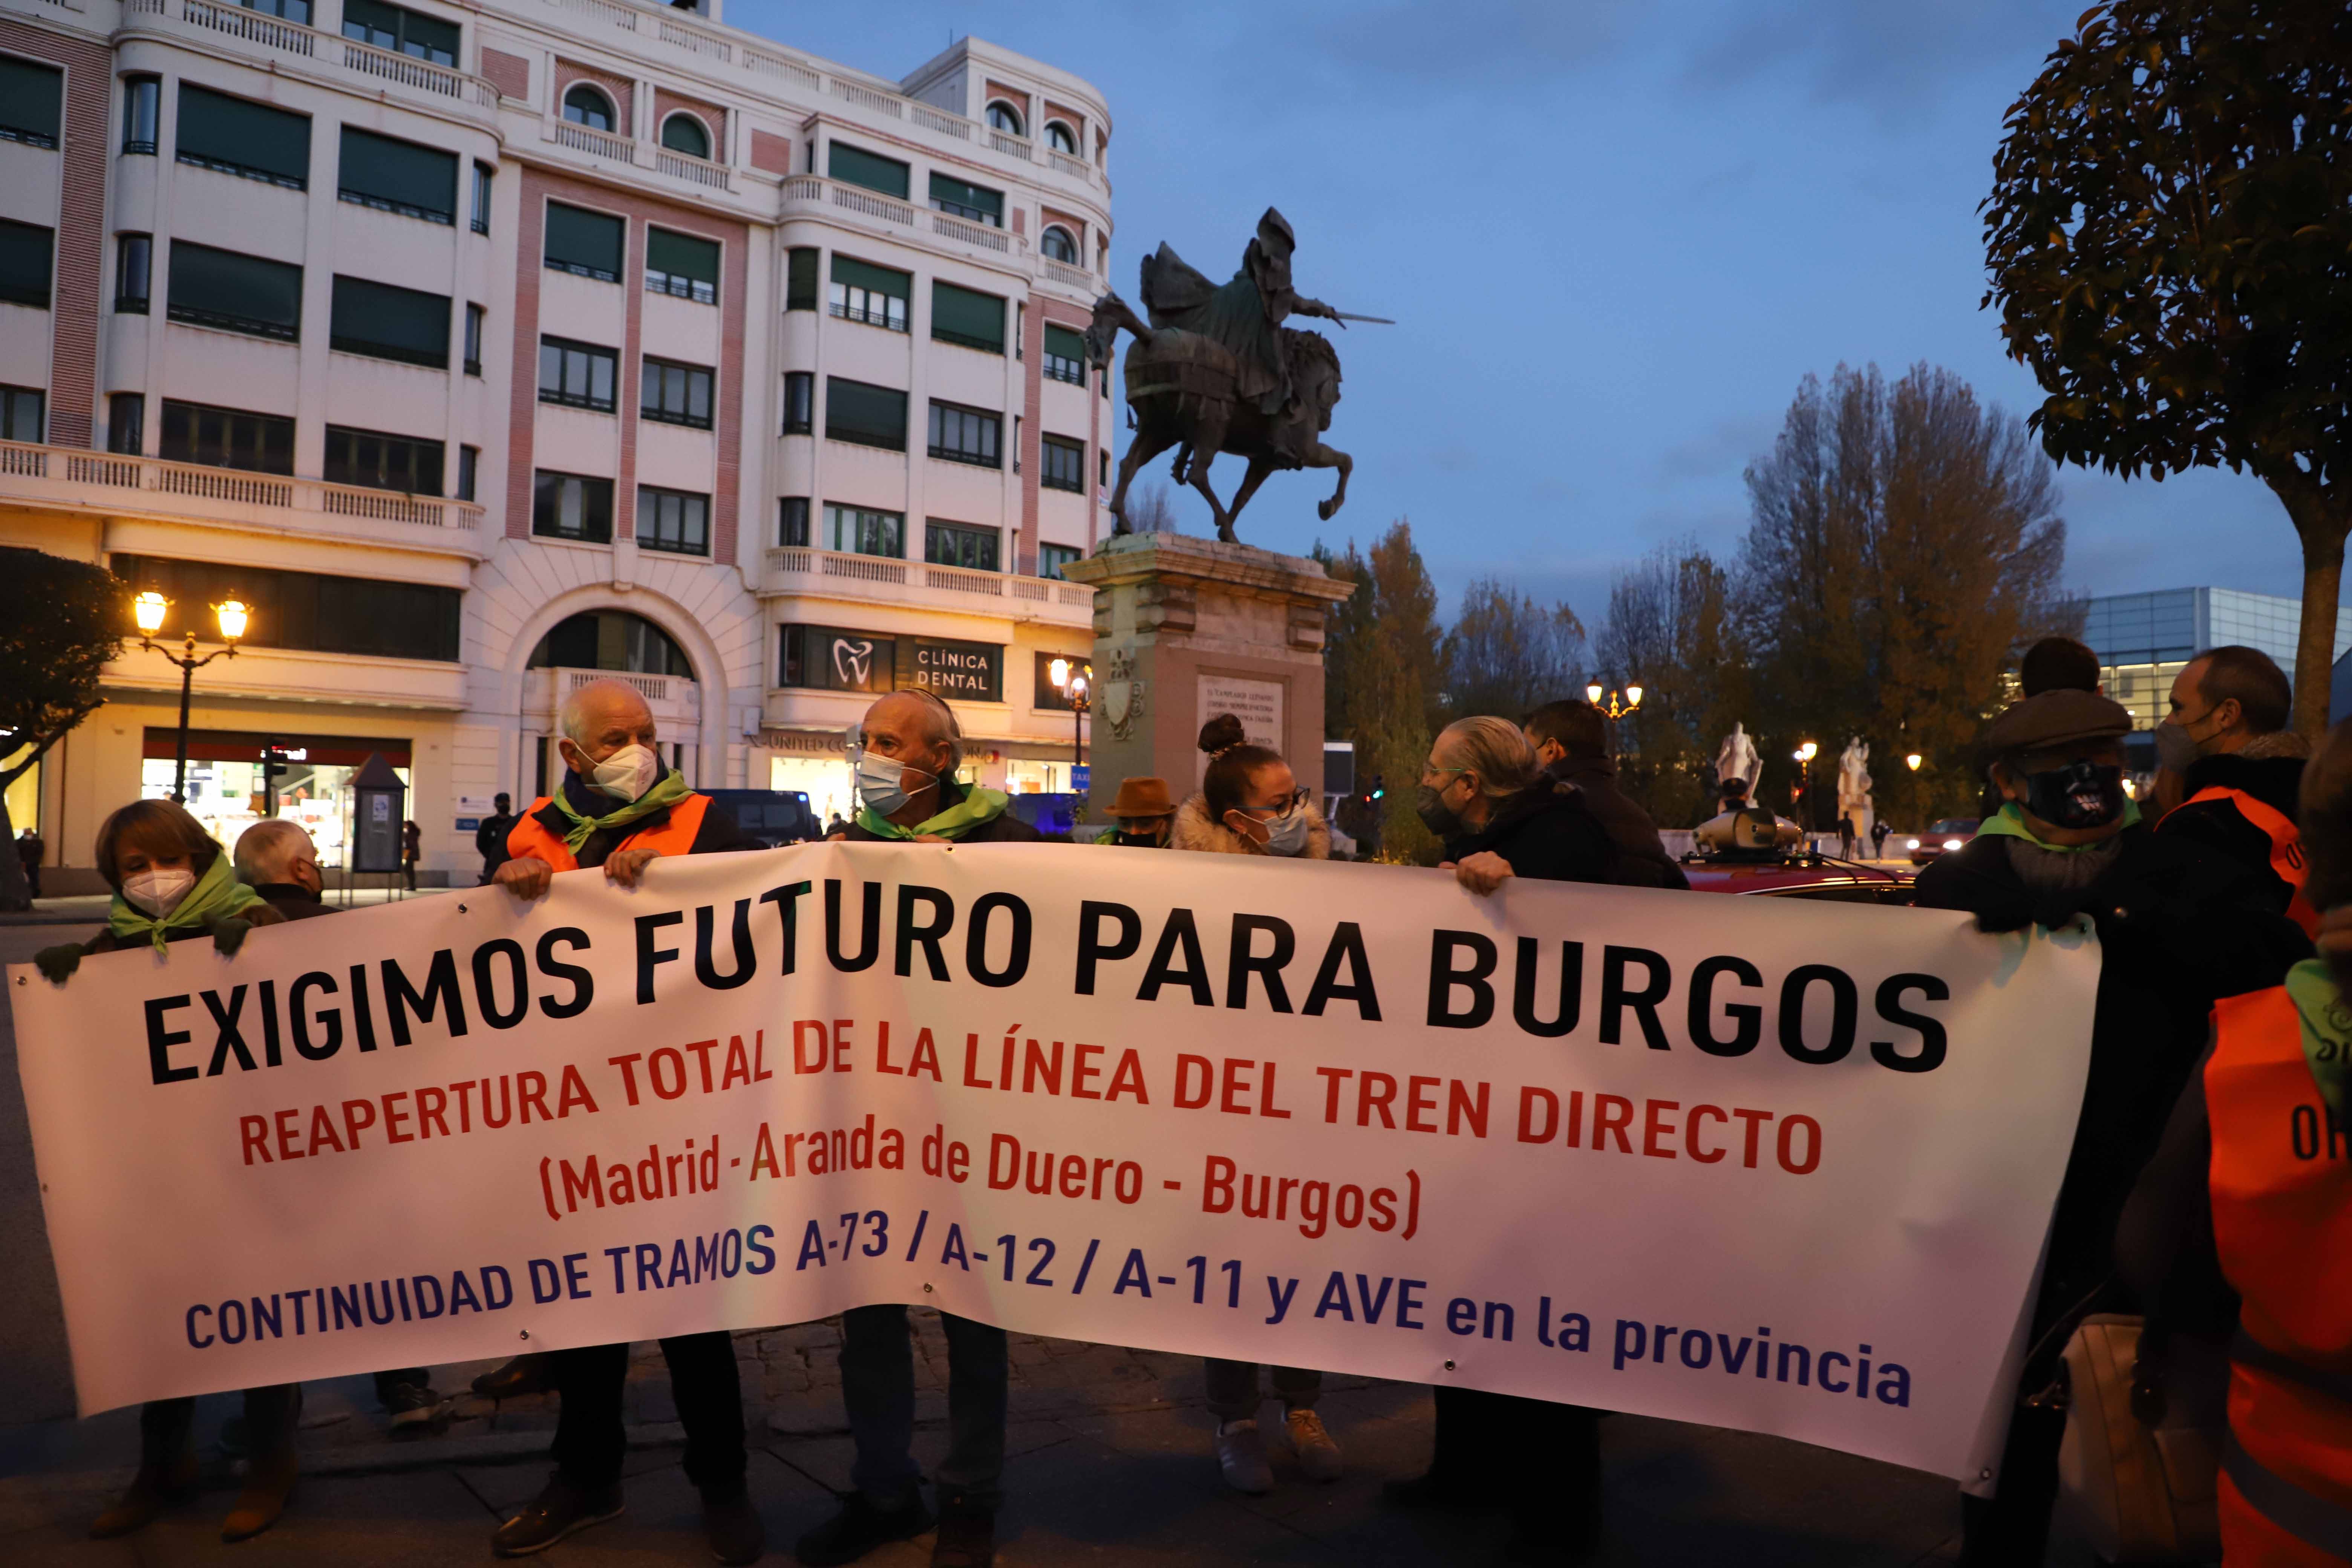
(924, 583)
(103, 477)
(311, 43)
(1076, 277)
(581, 139)
(639, 154)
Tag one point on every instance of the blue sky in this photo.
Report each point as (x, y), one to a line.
(1615, 233)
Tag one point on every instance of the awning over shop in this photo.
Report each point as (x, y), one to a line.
(245, 746)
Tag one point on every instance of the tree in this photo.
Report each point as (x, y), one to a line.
(1507, 653)
(1905, 542)
(2167, 237)
(1381, 677)
(1152, 512)
(60, 621)
(1670, 632)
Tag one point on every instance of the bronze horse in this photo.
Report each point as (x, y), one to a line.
(1179, 392)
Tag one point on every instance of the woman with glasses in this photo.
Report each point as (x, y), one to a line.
(1250, 804)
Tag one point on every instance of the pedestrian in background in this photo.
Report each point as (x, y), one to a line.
(2231, 771)
(30, 852)
(1878, 835)
(1571, 741)
(412, 850)
(1499, 817)
(1845, 838)
(1250, 804)
(490, 838)
(2179, 926)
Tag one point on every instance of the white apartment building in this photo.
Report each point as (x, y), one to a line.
(481, 347)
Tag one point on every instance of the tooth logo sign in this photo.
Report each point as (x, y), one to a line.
(851, 661)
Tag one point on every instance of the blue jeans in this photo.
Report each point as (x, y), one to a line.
(878, 1385)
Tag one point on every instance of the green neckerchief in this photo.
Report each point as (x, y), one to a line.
(667, 793)
(218, 894)
(2009, 821)
(977, 806)
(2326, 1029)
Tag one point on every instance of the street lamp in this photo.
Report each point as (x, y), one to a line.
(1072, 684)
(1805, 755)
(1612, 709)
(1913, 761)
(234, 616)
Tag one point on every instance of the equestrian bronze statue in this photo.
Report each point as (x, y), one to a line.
(1214, 370)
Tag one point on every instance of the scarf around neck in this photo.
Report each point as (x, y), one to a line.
(667, 793)
(2326, 1029)
(2009, 821)
(978, 806)
(216, 894)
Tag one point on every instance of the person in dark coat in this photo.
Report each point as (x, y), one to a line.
(2179, 925)
(1572, 743)
(30, 852)
(490, 838)
(2226, 739)
(1499, 817)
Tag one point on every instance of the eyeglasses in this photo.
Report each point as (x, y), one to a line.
(1277, 812)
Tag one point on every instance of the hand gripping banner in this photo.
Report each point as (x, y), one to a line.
(1779, 1166)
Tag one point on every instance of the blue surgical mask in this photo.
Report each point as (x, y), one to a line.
(880, 783)
(1286, 835)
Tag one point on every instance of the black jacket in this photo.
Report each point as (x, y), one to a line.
(490, 840)
(2273, 781)
(2179, 927)
(1642, 858)
(717, 835)
(1548, 833)
(293, 901)
(1004, 830)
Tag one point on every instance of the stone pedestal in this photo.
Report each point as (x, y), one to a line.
(1187, 628)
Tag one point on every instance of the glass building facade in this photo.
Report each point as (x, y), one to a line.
(2143, 639)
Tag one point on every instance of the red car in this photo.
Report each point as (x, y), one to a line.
(1941, 838)
(1796, 875)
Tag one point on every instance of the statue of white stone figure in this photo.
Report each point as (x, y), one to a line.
(1738, 759)
(1854, 788)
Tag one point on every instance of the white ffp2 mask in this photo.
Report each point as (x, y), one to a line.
(627, 773)
(158, 892)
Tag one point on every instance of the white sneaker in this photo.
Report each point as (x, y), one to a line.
(1240, 1455)
(1319, 1456)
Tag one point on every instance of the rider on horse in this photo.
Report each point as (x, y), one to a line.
(1245, 316)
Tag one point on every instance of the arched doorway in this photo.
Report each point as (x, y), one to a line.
(599, 644)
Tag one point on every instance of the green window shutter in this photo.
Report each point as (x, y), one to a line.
(682, 256)
(800, 279)
(856, 167)
(953, 194)
(240, 293)
(388, 322)
(875, 280)
(246, 138)
(380, 171)
(870, 415)
(32, 100)
(1063, 343)
(582, 241)
(963, 316)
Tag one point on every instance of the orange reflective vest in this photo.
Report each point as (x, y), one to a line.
(2288, 863)
(671, 834)
(2282, 1192)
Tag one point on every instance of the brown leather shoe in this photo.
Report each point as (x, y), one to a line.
(167, 1475)
(562, 1508)
(532, 1373)
(273, 1416)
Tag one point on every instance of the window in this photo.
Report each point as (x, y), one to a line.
(584, 243)
(251, 140)
(793, 520)
(1061, 465)
(954, 544)
(126, 423)
(1066, 355)
(683, 266)
(235, 292)
(228, 438)
(675, 394)
(1061, 139)
(856, 167)
(673, 520)
(572, 506)
(965, 435)
(20, 413)
(31, 101)
(799, 391)
(1052, 558)
(867, 416)
(830, 659)
(1057, 246)
(142, 96)
(960, 198)
(385, 321)
(134, 268)
(875, 295)
(1102, 471)
(397, 176)
(295, 11)
(685, 134)
(474, 314)
(854, 531)
(800, 278)
(578, 375)
(1003, 116)
(311, 611)
(408, 32)
(24, 252)
(964, 316)
(382, 462)
(585, 105)
(482, 172)
(611, 639)
(469, 461)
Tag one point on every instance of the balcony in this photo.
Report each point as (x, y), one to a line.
(888, 216)
(271, 503)
(639, 154)
(329, 56)
(675, 701)
(918, 584)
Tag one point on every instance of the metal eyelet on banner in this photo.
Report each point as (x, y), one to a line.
(927, 1289)
(1449, 1366)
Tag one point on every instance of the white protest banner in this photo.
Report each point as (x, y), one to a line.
(1778, 1166)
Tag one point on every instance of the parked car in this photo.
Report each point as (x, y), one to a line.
(774, 817)
(1941, 838)
(1796, 874)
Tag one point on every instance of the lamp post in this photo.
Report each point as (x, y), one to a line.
(1804, 755)
(1913, 761)
(149, 609)
(1612, 710)
(1072, 684)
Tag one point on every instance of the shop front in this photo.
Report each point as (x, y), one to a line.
(238, 777)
